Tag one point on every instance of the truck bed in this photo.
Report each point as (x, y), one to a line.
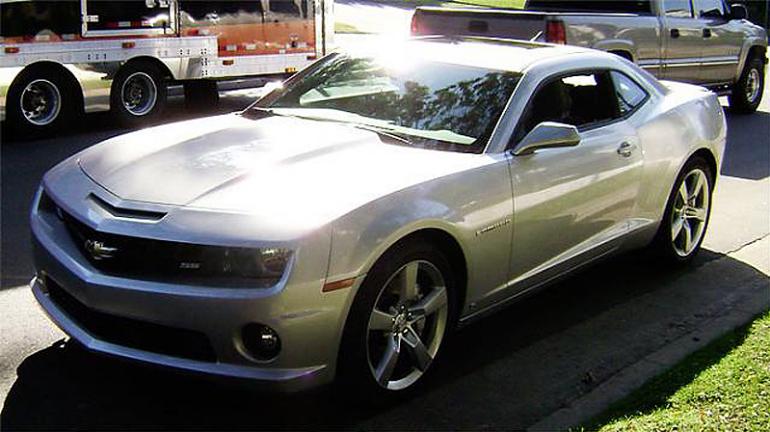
(509, 24)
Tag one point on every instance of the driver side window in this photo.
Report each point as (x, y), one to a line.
(710, 8)
(584, 100)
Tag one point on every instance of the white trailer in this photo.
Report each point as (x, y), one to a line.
(59, 58)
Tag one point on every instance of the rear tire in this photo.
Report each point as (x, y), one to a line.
(747, 92)
(40, 102)
(392, 338)
(138, 94)
(687, 214)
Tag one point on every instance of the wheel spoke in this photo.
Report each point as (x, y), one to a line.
(407, 280)
(700, 181)
(683, 192)
(417, 350)
(695, 213)
(380, 320)
(676, 228)
(388, 363)
(687, 236)
(432, 302)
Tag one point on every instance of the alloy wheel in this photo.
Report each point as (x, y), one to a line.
(690, 212)
(407, 325)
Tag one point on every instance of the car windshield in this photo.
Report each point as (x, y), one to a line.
(421, 103)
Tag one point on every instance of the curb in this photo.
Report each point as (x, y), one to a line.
(634, 376)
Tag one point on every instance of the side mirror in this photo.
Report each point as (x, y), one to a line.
(548, 135)
(738, 12)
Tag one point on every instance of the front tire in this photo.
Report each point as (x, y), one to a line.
(747, 92)
(138, 94)
(687, 214)
(399, 321)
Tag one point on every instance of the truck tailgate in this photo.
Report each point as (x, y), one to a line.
(478, 22)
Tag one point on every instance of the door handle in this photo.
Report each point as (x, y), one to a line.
(706, 32)
(674, 33)
(626, 149)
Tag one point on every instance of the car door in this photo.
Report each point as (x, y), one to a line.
(682, 41)
(572, 205)
(722, 42)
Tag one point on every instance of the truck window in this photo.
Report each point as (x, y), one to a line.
(583, 100)
(678, 8)
(630, 6)
(128, 14)
(198, 13)
(39, 18)
(710, 8)
(630, 94)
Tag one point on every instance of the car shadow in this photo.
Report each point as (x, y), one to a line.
(747, 154)
(501, 372)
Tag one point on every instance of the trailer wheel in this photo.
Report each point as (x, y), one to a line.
(201, 95)
(138, 93)
(39, 102)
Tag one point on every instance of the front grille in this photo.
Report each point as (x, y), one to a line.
(132, 333)
(163, 261)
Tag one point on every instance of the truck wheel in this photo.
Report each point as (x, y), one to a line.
(201, 95)
(138, 94)
(747, 92)
(40, 101)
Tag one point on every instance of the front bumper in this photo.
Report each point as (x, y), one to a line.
(285, 380)
(308, 321)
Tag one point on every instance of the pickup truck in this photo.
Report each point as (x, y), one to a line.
(703, 42)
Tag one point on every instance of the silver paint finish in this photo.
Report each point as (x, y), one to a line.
(339, 198)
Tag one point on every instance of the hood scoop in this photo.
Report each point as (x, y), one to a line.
(125, 213)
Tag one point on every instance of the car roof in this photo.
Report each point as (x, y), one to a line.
(493, 53)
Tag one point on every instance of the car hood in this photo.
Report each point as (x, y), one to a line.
(281, 168)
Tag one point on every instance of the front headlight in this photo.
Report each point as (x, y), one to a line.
(171, 262)
(267, 263)
(240, 266)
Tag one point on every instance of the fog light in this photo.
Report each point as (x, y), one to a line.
(261, 341)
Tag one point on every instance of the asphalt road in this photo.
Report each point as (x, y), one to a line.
(506, 371)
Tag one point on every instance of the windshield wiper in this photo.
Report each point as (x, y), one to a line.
(256, 113)
(384, 132)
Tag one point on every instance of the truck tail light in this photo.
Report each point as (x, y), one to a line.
(555, 32)
(415, 25)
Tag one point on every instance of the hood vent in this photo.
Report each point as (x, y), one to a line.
(144, 215)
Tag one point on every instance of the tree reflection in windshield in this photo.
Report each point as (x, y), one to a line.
(442, 105)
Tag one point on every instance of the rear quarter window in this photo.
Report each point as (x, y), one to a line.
(630, 95)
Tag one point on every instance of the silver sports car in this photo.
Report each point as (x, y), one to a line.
(348, 221)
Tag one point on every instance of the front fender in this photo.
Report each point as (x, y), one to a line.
(757, 38)
(361, 238)
(474, 207)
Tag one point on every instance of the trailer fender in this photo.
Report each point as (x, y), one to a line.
(10, 76)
